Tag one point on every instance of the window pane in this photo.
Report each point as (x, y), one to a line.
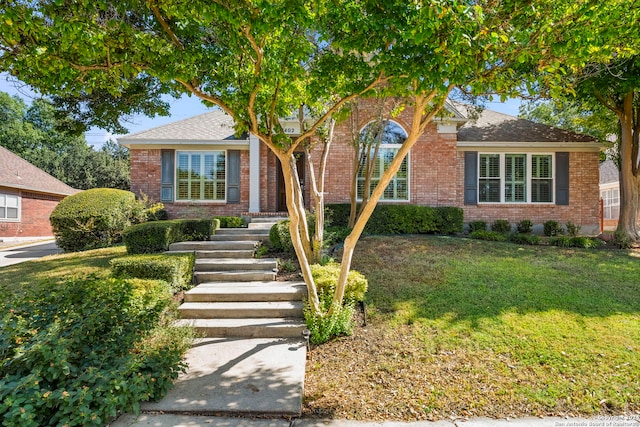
(515, 178)
(490, 166)
(2, 212)
(12, 213)
(489, 190)
(201, 176)
(541, 166)
(541, 190)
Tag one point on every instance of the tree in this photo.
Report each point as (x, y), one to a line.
(49, 139)
(260, 60)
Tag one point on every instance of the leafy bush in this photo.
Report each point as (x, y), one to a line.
(156, 236)
(525, 239)
(280, 237)
(525, 226)
(230, 221)
(326, 278)
(572, 229)
(477, 226)
(501, 226)
(94, 218)
(334, 235)
(552, 228)
(287, 265)
(175, 269)
(621, 240)
(325, 328)
(449, 220)
(575, 242)
(151, 237)
(492, 236)
(80, 352)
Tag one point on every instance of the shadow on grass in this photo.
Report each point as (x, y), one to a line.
(461, 279)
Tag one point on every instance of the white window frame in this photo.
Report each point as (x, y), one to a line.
(529, 177)
(610, 200)
(388, 147)
(201, 153)
(4, 197)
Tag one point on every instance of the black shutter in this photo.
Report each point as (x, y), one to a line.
(562, 178)
(470, 177)
(233, 176)
(166, 175)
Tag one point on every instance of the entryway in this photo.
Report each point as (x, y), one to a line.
(281, 201)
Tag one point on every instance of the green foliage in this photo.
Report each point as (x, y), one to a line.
(525, 238)
(324, 328)
(492, 236)
(326, 278)
(287, 265)
(477, 226)
(501, 226)
(156, 236)
(576, 242)
(552, 228)
(621, 239)
(175, 269)
(404, 219)
(525, 226)
(280, 237)
(94, 218)
(261, 251)
(334, 235)
(572, 229)
(80, 352)
(230, 221)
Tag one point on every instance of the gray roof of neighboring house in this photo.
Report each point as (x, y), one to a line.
(492, 126)
(609, 172)
(212, 126)
(15, 172)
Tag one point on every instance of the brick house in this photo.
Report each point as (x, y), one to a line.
(610, 194)
(28, 195)
(493, 167)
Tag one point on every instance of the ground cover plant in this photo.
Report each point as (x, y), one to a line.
(464, 328)
(78, 347)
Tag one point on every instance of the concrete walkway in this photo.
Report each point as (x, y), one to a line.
(16, 254)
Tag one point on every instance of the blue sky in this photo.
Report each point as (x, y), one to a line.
(180, 109)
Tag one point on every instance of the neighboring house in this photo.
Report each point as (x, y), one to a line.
(610, 194)
(495, 167)
(28, 195)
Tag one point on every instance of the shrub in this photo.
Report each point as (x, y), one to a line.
(501, 226)
(151, 237)
(525, 239)
(287, 265)
(575, 242)
(323, 329)
(334, 235)
(280, 237)
(621, 240)
(94, 218)
(572, 229)
(560, 241)
(196, 229)
(230, 221)
(552, 228)
(477, 226)
(525, 226)
(492, 236)
(175, 269)
(80, 352)
(326, 277)
(449, 220)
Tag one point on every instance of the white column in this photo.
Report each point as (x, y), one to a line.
(254, 173)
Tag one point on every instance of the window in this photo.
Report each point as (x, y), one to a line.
(201, 175)
(611, 203)
(515, 178)
(388, 140)
(9, 207)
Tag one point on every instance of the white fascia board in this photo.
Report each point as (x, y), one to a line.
(240, 144)
(530, 146)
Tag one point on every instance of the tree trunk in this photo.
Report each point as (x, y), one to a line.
(629, 180)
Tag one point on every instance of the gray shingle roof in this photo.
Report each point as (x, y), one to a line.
(15, 172)
(212, 126)
(609, 172)
(492, 126)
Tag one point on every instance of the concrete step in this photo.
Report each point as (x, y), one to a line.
(273, 219)
(241, 310)
(222, 253)
(213, 246)
(240, 231)
(255, 238)
(231, 264)
(247, 291)
(246, 328)
(260, 225)
(234, 276)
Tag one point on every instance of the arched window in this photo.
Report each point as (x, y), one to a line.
(380, 142)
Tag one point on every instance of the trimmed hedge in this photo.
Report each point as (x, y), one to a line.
(491, 236)
(94, 218)
(326, 278)
(404, 219)
(230, 221)
(175, 269)
(156, 236)
(81, 352)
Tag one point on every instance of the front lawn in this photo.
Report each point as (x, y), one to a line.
(465, 328)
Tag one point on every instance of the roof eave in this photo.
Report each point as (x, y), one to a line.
(36, 189)
(585, 146)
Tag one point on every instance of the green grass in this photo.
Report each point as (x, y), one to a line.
(16, 277)
(474, 328)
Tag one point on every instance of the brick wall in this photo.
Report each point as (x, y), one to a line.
(34, 217)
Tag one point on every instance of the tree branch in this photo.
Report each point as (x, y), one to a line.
(165, 26)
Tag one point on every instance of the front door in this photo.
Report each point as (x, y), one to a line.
(281, 202)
